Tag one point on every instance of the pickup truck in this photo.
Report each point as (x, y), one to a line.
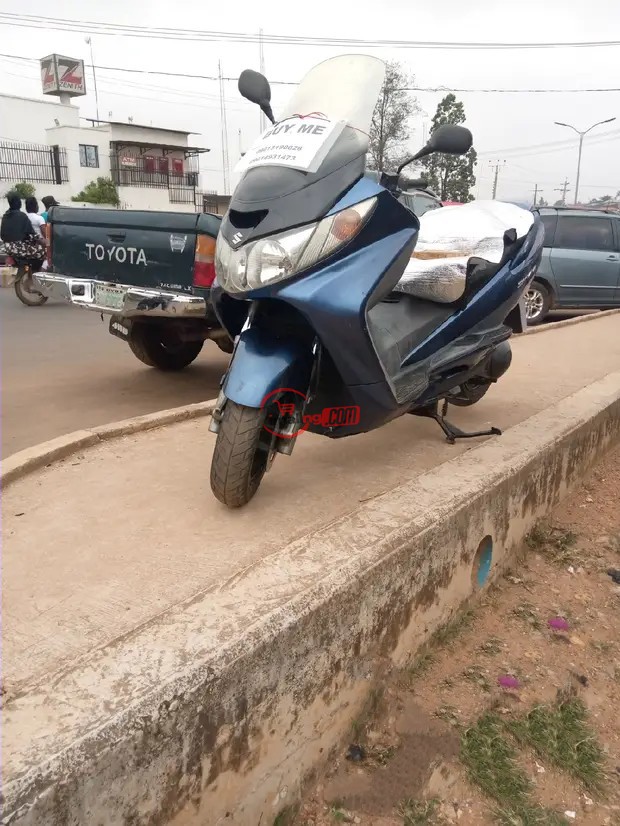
(151, 272)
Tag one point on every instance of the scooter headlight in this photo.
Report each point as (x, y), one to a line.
(278, 257)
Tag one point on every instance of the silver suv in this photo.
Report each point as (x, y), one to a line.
(580, 267)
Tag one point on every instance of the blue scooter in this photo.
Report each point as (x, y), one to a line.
(307, 259)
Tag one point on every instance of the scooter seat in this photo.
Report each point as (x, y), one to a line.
(400, 322)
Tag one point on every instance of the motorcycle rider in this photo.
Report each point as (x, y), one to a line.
(15, 226)
(18, 234)
(37, 221)
(48, 202)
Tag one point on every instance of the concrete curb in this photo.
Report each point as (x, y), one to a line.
(216, 711)
(32, 458)
(568, 322)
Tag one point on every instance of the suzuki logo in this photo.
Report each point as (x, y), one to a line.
(237, 237)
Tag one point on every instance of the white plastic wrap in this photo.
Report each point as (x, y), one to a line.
(449, 237)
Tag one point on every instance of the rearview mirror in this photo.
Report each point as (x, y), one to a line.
(448, 139)
(255, 88)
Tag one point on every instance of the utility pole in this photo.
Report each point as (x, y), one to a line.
(581, 137)
(498, 164)
(261, 60)
(563, 189)
(536, 191)
(224, 130)
(89, 40)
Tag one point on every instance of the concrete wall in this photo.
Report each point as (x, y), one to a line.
(26, 119)
(71, 138)
(221, 723)
(32, 120)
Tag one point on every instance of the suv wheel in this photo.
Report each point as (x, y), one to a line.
(537, 303)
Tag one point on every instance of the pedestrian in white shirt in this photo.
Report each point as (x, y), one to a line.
(32, 209)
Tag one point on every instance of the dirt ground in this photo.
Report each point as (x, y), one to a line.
(512, 715)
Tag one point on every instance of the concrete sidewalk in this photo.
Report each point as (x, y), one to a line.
(105, 541)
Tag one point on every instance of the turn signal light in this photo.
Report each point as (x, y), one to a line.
(346, 224)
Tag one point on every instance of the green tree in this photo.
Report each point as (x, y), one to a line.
(24, 190)
(542, 202)
(101, 191)
(604, 199)
(451, 176)
(389, 129)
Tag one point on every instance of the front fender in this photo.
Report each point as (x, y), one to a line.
(263, 363)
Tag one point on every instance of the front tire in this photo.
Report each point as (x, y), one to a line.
(243, 453)
(160, 347)
(27, 292)
(537, 303)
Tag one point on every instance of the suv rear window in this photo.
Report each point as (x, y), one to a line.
(577, 232)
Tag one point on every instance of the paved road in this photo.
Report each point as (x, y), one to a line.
(62, 370)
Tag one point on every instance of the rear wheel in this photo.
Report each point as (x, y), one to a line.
(537, 303)
(26, 291)
(244, 451)
(160, 346)
(470, 392)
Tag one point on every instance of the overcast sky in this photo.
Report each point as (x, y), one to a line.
(499, 121)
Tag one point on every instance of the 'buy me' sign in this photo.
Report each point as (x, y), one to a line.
(299, 143)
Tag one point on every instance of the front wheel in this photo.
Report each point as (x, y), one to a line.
(537, 303)
(26, 291)
(244, 450)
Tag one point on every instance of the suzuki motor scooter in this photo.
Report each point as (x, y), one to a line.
(307, 259)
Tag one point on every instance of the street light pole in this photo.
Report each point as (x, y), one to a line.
(581, 137)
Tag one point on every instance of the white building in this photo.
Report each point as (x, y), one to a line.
(44, 144)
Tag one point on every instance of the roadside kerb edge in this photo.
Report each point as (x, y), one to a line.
(568, 322)
(33, 458)
(220, 707)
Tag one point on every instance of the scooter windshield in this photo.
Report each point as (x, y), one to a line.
(327, 120)
(298, 168)
(343, 88)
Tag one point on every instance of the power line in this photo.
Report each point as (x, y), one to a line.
(552, 145)
(166, 33)
(441, 88)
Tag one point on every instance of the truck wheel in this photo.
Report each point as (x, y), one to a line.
(243, 452)
(162, 348)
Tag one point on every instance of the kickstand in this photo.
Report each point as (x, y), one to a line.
(452, 432)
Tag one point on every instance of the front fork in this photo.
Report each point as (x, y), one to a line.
(286, 441)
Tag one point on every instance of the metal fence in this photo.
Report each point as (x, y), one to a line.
(182, 195)
(149, 172)
(33, 163)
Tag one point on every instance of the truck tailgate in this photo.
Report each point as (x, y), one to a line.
(138, 248)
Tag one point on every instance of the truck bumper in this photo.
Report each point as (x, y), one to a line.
(120, 299)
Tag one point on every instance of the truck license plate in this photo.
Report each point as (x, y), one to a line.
(111, 297)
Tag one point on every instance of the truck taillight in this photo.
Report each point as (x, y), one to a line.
(204, 261)
(47, 232)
